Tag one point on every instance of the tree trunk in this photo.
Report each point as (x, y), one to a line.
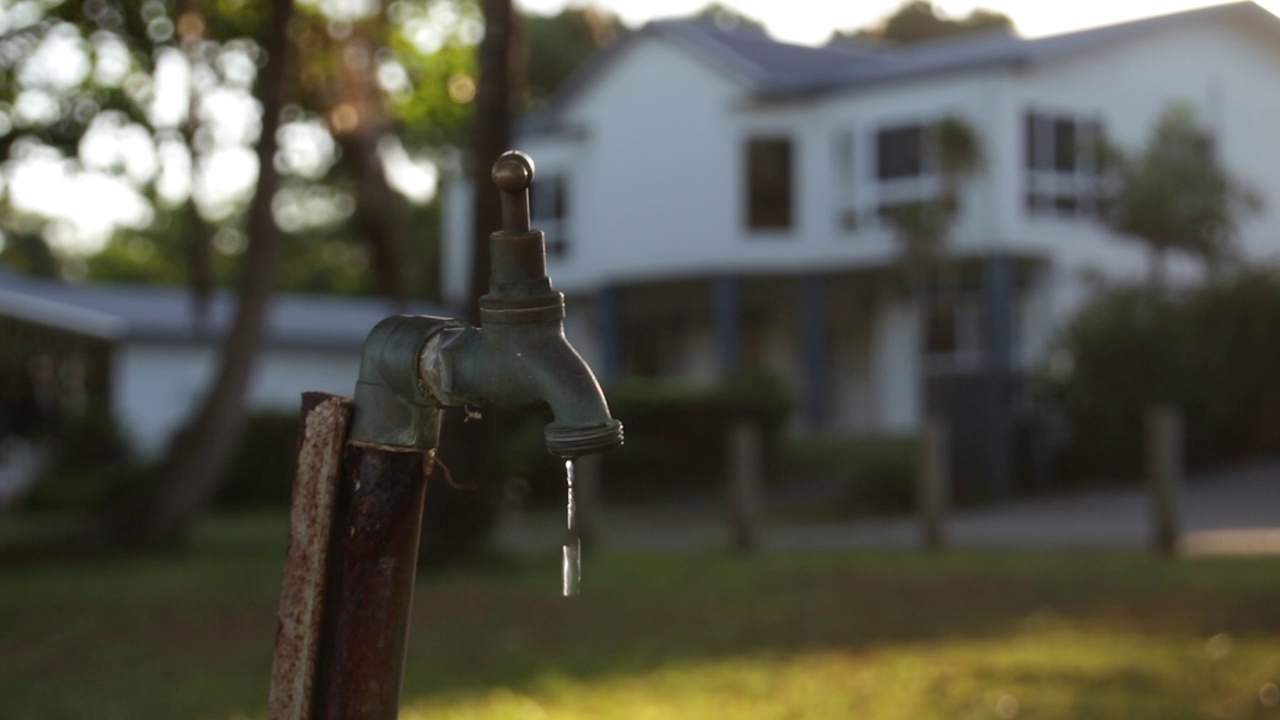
(1157, 269)
(199, 258)
(198, 457)
(461, 515)
(492, 137)
(379, 212)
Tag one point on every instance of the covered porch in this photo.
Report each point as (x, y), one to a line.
(863, 350)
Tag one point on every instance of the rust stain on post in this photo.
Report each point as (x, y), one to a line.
(371, 574)
(321, 436)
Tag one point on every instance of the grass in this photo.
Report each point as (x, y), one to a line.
(879, 635)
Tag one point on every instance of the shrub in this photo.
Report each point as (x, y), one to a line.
(675, 437)
(1212, 352)
(260, 473)
(89, 465)
(875, 473)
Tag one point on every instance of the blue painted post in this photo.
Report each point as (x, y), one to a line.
(998, 299)
(609, 331)
(726, 308)
(813, 348)
(999, 295)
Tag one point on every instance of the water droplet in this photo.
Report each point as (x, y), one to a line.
(1269, 694)
(1218, 646)
(1007, 706)
(571, 560)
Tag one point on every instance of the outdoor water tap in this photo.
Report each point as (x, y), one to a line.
(518, 358)
(357, 511)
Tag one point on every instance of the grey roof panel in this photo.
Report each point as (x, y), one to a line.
(142, 312)
(778, 69)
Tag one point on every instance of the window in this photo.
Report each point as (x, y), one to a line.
(769, 185)
(900, 152)
(952, 337)
(906, 171)
(549, 211)
(1063, 161)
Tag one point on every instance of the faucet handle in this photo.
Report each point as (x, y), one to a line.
(513, 174)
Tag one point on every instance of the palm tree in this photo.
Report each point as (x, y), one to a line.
(1175, 195)
(922, 227)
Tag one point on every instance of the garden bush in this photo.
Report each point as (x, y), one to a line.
(260, 473)
(874, 473)
(89, 465)
(675, 437)
(1212, 351)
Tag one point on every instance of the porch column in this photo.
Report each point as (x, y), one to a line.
(608, 317)
(814, 349)
(998, 297)
(726, 318)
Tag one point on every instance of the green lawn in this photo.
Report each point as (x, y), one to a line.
(873, 635)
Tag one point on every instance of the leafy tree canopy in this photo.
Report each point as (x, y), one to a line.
(1174, 194)
(919, 21)
(557, 45)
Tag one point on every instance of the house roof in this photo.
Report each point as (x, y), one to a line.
(167, 314)
(776, 69)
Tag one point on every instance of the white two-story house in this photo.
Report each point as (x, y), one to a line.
(715, 200)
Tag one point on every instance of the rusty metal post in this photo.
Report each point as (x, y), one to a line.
(321, 435)
(349, 572)
(376, 526)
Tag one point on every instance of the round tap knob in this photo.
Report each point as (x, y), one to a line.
(513, 174)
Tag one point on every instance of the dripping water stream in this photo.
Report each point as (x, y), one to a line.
(571, 562)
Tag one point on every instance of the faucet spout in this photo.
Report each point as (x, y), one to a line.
(524, 367)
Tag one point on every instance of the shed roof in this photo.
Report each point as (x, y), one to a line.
(168, 314)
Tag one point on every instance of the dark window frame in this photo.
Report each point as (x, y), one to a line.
(1062, 162)
(901, 152)
(770, 183)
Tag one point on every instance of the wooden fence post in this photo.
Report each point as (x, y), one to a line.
(1164, 471)
(586, 481)
(746, 481)
(933, 482)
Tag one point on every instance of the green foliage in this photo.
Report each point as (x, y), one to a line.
(122, 43)
(261, 471)
(876, 473)
(922, 226)
(1119, 355)
(1211, 352)
(675, 437)
(90, 466)
(1174, 194)
(28, 253)
(920, 21)
(559, 44)
(876, 635)
(729, 18)
(429, 113)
